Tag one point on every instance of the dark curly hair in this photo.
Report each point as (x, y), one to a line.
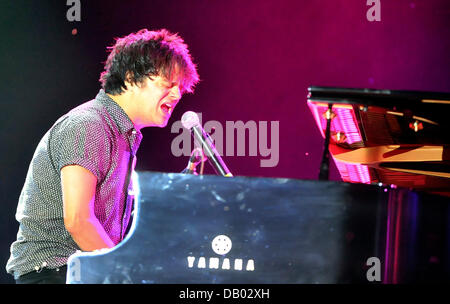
(145, 54)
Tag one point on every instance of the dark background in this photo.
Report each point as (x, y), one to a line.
(256, 60)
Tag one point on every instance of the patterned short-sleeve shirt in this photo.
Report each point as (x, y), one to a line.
(99, 136)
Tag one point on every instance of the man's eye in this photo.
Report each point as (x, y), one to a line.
(166, 85)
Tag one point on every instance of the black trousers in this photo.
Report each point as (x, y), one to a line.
(44, 276)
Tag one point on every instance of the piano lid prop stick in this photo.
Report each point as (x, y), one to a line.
(325, 164)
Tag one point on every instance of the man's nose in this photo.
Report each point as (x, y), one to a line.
(175, 93)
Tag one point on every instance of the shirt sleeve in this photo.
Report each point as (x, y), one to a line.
(83, 141)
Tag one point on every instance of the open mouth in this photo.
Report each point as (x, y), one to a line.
(167, 108)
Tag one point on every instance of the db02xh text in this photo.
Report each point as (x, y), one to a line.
(237, 293)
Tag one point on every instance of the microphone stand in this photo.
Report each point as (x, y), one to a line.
(196, 157)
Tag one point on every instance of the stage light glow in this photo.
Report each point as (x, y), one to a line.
(346, 123)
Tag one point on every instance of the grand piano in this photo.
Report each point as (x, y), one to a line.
(387, 221)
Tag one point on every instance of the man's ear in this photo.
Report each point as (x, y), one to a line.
(129, 80)
(131, 83)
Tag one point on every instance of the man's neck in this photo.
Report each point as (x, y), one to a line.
(123, 100)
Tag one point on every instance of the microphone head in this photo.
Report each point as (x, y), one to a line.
(189, 120)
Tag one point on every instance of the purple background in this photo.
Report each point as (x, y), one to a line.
(255, 59)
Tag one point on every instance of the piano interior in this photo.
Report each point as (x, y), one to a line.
(397, 138)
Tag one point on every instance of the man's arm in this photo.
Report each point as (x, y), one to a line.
(78, 190)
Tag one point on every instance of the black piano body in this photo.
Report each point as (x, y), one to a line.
(279, 231)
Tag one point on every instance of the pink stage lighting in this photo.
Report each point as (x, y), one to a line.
(345, 124)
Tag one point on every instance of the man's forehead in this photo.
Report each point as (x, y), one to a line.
(176, 77)
(176, 74)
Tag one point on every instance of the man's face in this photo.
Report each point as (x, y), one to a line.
(155, 101)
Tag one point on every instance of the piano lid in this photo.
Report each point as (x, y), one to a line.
(390, 137)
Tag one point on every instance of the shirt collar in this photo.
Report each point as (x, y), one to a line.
(122, 120)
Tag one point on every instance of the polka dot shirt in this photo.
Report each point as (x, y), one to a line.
(99, 136)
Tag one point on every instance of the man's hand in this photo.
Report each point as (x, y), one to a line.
(78, 191)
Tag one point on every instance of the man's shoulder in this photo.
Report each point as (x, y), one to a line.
(87, 116)
(88, 112)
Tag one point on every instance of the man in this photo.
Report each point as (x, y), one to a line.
(75, 195)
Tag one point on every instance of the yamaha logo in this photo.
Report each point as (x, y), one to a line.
(221, 245)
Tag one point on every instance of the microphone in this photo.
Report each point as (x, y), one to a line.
(190, 121)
